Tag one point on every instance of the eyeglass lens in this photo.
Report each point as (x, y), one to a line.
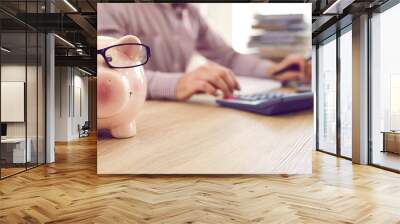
(126, 55)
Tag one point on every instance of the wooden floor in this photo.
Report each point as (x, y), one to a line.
(10, 171)
(69, 191)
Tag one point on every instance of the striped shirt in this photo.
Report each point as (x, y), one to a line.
(174, 34)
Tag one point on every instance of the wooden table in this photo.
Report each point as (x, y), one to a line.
(14, 152)
(391, 141)
(200, 137)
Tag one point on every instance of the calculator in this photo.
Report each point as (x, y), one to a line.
(270, 103)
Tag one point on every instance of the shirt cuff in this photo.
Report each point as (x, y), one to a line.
(163, 86)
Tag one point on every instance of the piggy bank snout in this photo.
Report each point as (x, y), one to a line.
(112, 94)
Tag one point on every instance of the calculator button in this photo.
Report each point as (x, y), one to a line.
(226, 97)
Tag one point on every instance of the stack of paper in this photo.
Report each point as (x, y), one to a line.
(280, 35)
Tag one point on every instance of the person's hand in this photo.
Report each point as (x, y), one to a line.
(208, 79)
(293, 67)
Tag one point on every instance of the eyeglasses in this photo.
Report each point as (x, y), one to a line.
(127, 55)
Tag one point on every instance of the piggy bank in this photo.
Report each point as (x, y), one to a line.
(121, 92)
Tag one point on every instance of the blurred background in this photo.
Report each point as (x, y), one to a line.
(270, 30)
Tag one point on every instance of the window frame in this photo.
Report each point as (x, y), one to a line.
(333, 37)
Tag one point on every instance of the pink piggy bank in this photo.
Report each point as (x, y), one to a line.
(121, 92)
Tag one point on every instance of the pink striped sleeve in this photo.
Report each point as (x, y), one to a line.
(161, 85)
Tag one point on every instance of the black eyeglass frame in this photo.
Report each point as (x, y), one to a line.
(103, 51)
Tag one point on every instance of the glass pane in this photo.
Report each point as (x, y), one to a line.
(13, 86)
(32, 98)
(32, 86)
(41, 42)
(314, 84)
(327, 97)
(23, 89)
(385, 89)
(346, 94)
(41, 99)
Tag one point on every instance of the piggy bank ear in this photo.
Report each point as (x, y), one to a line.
(129, 50)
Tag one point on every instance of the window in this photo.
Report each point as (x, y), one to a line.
(385, 89)
(15, 146)
(346, 92)
(22, 77)
(334, 138)
(327, 96)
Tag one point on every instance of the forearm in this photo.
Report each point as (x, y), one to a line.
(250, 65)
(161, 85)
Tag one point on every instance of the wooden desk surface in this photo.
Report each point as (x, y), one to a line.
(202, 138)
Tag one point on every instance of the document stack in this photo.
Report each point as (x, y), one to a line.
(277, 36)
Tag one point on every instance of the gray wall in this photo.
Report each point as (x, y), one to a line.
(71, 102)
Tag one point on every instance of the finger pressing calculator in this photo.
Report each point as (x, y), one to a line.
(270, 103)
